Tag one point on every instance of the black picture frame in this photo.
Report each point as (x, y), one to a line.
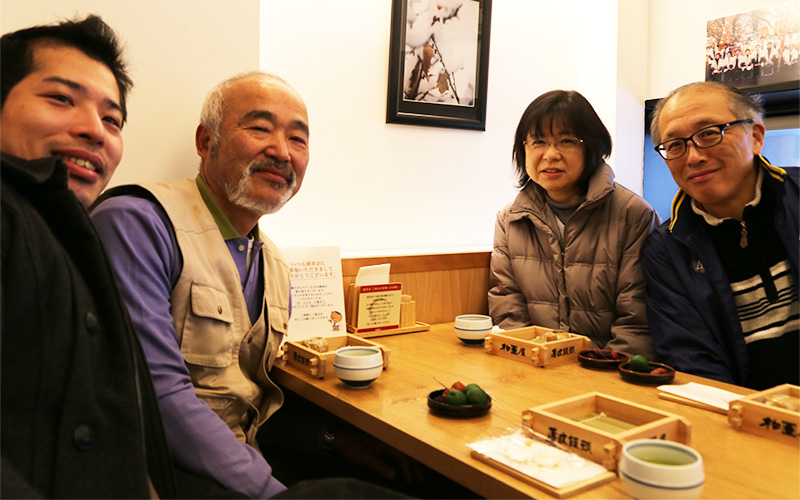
(414, 111)
(754, 51)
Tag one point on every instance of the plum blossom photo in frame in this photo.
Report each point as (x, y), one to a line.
(438, 63)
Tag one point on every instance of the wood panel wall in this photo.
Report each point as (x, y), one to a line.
(442, 285)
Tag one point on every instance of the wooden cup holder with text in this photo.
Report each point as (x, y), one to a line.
(755, 415)
(560, 422)
(320, 364)
(518, 344)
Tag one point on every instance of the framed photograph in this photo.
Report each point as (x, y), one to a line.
(439, 63)
(756, 51)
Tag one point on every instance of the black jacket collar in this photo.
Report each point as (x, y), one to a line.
(682, 220)
(47, 173)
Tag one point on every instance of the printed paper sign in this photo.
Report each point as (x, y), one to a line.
(379, 307)
(317, 295)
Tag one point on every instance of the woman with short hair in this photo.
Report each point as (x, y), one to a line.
(566, 250)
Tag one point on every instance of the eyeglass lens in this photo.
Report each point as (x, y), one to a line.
(704, 138)
(564, 144)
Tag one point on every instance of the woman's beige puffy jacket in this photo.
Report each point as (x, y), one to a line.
(590, 283)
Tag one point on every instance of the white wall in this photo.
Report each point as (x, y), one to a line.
(631, 91)
(376, 189)
(177, 51)
(373, 188)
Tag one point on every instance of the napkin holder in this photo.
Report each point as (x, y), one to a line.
(407, 322)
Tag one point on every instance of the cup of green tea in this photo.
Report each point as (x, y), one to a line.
(471, 329)
(653, 469)
(358, 366)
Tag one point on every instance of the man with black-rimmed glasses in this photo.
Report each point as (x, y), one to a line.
(722, 272)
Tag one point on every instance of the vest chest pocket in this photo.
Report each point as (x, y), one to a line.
(277, 324)
(208, 333)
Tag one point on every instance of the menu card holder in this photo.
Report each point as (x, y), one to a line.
(380, 310)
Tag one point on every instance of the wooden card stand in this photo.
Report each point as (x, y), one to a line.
(560, 422)
(518, 344)
(753, 414)
(320, 364)
(407, 317)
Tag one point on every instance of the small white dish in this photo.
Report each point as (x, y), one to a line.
(473, 328)
(653, 469)
(358, 366)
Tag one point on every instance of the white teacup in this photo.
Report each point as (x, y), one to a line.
(358, 366)
(473, 328)
(653, 469)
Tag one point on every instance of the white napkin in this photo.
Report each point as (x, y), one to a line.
(542, 462)
(712, 396)
(373, 275)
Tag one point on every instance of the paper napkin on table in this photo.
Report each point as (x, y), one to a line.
(542, 462)
(711, 396)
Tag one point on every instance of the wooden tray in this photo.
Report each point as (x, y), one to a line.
(419, 327)
(752, 414)
(320, 364)
(556, 421)
(518, 345)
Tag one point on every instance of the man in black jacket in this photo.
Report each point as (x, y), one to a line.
(79, 415)
(722, 273)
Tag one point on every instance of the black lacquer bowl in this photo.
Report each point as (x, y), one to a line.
(602, 360)
(439, 407)
(629, 375)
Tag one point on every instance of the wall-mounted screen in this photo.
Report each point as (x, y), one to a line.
(781, 147)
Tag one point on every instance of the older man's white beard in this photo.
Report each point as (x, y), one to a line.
(241, 193)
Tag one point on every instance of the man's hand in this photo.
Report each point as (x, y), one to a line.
(361, 448)
(153, 493)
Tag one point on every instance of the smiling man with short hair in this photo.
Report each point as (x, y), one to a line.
(79, 415)
(67, 106)
(722, 272)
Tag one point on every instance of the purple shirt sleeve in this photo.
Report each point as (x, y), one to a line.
(144, 253)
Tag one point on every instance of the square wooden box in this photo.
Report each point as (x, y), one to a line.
(556, 421)
(752, 414)
(518, 344)
(320, 364)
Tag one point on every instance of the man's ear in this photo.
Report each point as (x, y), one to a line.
(758, 132)
(202, 141)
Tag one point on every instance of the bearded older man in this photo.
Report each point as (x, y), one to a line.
(207, 291)
(208, 294)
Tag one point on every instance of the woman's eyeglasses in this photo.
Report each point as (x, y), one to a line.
(564, 144)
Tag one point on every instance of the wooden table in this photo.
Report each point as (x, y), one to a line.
(394, 409)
